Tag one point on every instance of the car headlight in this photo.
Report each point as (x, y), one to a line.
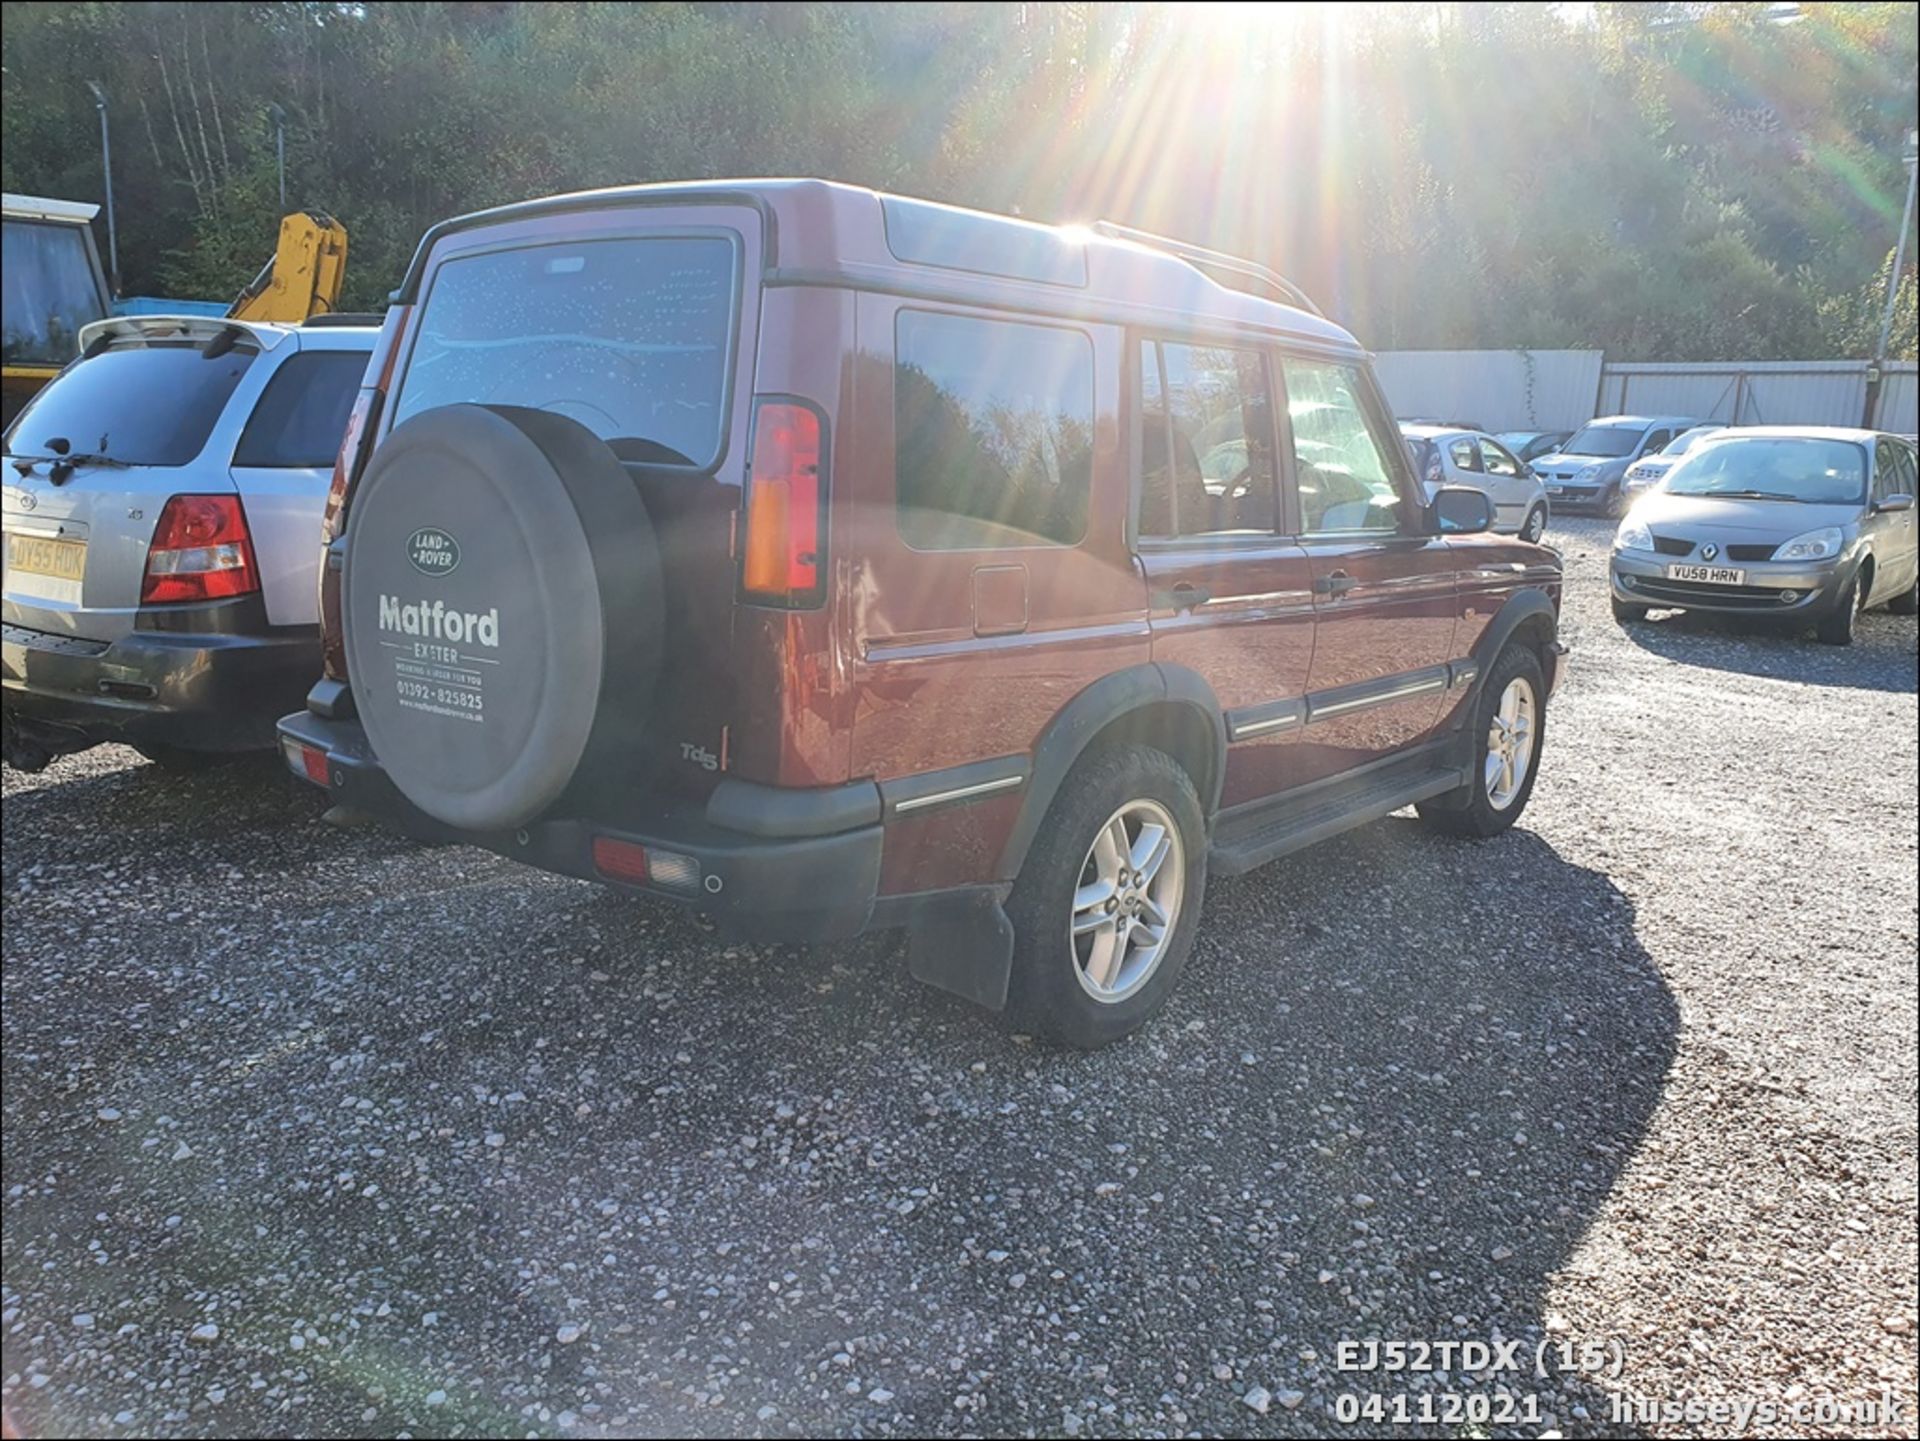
(1633, 535)
(1588, 472)
(1820, 544)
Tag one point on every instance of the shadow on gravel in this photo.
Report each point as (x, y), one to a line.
(1881, 658)
(443, 1125)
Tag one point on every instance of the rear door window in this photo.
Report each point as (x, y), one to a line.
(302, 414)
(151, 404)
(1206, 441)
(993, 432)
(630, 337)
(1465, 455)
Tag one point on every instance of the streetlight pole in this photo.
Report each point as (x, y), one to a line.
(280, 149)
(1912, 159)
(106, 164)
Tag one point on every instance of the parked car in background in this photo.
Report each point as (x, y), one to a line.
(1473, 425)
(1812, 525)
(1529, 445)
(1447, 456)
(1589, 471)
(1646, 472)
(162, 508)
(1017, 675)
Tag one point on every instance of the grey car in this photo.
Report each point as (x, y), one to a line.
(1812, 525)
(163, 498)
(1589, 471)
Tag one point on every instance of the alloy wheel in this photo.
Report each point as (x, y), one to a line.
(1127, 903)
(1510, 741)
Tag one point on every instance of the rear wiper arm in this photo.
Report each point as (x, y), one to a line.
(62, 466)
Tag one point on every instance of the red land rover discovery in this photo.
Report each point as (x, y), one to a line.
(830, 560)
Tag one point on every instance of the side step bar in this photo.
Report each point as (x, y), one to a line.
(1290, 823)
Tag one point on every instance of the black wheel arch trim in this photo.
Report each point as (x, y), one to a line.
(1520, 607)
(1107, 700)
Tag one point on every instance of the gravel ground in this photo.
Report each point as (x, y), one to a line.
(319, 1132)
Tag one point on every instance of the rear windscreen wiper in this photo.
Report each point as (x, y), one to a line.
(62, 466)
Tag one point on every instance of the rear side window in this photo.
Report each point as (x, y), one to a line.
(50, 291)
(629, 337)
(993, 432)
(302, 414)
(1466, 456)
(152, 404)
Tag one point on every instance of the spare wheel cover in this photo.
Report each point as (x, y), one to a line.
(492, 551)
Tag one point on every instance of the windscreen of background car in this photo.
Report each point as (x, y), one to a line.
(1602, 440)
(1822, 472)
(629, 337)
(143, 404)
(49, 291)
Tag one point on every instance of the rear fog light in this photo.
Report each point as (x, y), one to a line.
(305, 760)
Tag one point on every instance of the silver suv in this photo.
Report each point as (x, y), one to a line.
(163, 497)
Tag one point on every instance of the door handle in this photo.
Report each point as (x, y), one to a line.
(1184, 596)
(1336, 582)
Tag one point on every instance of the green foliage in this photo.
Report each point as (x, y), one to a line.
(1666, 181)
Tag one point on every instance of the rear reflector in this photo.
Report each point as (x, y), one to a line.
(305, 760)
(201, 551)
(785, 490)
(620, 860)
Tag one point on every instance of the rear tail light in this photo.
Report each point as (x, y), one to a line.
(785, 501)
(200, 551)
(352, 458)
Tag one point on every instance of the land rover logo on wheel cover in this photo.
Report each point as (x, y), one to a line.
(433, 551)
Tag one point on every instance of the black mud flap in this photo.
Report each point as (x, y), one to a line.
(963, 944)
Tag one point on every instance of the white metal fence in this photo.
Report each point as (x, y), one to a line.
(1559, 389)
(1495, 389)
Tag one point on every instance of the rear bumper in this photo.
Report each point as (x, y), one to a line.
(199, 689)
(809, 869)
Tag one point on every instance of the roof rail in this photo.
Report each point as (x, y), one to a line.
(1204, 259)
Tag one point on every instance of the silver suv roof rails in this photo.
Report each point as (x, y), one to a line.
(1204, 259)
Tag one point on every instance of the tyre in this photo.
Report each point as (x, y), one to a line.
(1535, 525)
(1105, 908)
(1509, 727)
(1627, 614)
(1908, 601)
(1615, 505)
(179, 760)
(513, 544)
(1836, 627)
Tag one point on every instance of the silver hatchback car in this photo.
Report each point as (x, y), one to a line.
(1811, 525)
(163, 497)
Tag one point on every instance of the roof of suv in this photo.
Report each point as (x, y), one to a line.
(820, 232)
(1645, 420)
(1806, 432)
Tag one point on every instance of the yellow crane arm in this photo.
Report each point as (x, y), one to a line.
(305, 275)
